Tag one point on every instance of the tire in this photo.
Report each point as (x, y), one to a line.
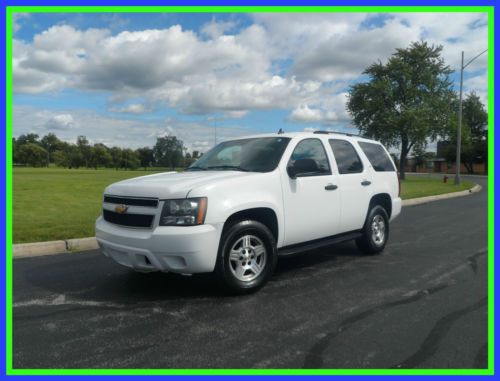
(247, 256)
(375, 231)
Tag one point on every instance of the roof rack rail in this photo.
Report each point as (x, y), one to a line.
(336, 132)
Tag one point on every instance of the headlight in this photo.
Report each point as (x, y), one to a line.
(183, 212)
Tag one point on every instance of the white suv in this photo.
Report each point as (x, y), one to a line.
(250, 200)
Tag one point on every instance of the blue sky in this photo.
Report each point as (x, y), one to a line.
(125, 79)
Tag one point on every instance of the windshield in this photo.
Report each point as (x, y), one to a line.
(252, 155)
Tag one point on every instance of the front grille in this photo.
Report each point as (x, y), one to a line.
(134, 201)
(132, 220)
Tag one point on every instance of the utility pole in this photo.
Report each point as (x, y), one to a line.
(459, 129)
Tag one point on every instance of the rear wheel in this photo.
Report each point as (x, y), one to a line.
(375, 231)
(247, 256)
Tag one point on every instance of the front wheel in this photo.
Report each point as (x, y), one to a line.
(247, 256)
(375, 231)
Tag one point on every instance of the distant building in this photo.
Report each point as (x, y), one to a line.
(440, 165)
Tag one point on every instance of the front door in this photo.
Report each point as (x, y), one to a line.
(311, 201)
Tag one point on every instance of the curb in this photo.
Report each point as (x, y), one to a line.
(424, 200)
(80, 244)
(439, 174)
(37, 249)
(26, 250)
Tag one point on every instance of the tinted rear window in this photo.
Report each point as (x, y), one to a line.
(346, 157)
(378, 157)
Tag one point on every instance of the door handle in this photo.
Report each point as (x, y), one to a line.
(331, 187)
(365, 183)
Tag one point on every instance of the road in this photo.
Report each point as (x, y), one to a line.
(421, 304)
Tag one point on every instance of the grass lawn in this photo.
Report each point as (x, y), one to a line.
(422, 185)
(54, 203)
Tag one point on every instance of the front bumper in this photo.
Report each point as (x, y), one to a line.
(181, 249)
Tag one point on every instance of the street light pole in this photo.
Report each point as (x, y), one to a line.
(214, 120)
(459, 129)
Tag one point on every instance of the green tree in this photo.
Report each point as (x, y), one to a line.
(421, 155)
(406, 101)
(475, 117)
(146, 156)
(74, 157)
(188, 159)
(474, 134)
(130, 159)
(99, 156)
(33, 155)
(28, 138)
(116, 157)
(15, 151)
(51, 143)
(60, 159)
(84, 148)
(168, 151)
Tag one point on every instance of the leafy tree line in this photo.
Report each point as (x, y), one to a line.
(474, 147)
(31, 150)
(410, 101)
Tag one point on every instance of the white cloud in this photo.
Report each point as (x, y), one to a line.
(236, 114)
(134, 108)
(458, 31)
(305, 114)
(311, 129)
(141, 60)
(479, 85)
(234, 95)
(122, 132)
(215, 29)
(342, 57)
(299, 62)
(327, 110)
(292, 34)
(60, 122)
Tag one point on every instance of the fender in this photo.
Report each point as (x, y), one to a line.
(259, 190)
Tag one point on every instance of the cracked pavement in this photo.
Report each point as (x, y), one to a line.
(421, 304)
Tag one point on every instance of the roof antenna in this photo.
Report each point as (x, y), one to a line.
(281, 131)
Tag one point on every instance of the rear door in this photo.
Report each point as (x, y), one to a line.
(384, 170)
(354, 185)
(311, 202)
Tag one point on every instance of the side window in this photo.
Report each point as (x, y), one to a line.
(376, 154)
(309, 158)
(346, 157)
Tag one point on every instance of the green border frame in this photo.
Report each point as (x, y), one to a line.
(241, 9)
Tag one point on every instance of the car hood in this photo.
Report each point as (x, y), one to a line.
(169, 184)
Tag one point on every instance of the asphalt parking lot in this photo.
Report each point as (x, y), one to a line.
(421, 304)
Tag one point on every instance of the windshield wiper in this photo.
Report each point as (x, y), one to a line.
(230, 167)
(196, 168)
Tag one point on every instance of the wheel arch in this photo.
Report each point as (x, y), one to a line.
(384, 200)
(264, 215)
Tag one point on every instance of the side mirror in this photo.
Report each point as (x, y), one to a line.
(291, 172)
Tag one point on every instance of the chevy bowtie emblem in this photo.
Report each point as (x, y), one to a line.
(121, 208)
